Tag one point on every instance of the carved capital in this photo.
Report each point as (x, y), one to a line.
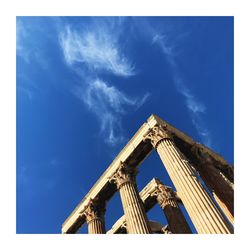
(157, 134)
(93, 211)
(166, 230)
(123, 175)
(165, 196)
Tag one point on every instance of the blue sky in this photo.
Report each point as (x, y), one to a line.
(86, 84)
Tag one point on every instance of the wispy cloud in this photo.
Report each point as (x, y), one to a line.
(30, 52)
(25, 91)
(192, 104)
(94, 50)
(196, 108)
(97, 48)
(29, 47)
(21, 35)
(108, 104)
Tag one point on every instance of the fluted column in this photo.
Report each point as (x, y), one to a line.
(218, 184)
(224, 208)
(136, 218)
(94, 214)
(202, 210)
(167, 200)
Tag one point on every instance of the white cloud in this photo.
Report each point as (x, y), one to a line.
(21, 35)
(203, 132)
(108, 104)
(26, 91)
(167, 45)
(195, 108)
(108, 96)
(157, 38)
(28, 48)
(97, 49)
(191, 102)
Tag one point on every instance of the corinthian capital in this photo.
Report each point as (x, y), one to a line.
(157, 134)
(93, 211)
(165, 196)
(123, 175)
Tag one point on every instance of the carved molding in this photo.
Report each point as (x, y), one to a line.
(123, 175)
(157, 134)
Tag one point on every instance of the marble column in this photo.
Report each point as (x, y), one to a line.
(204, 214)
(216, 181)
(224, 208)
(136, 218)
(167, 200)
(94, 215)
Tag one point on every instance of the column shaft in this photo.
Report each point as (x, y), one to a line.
(224, 208)
(167, 200)
(94, 214)
(216, 181)
(96, 226)
(136, 218)
(137, 222)
(203, 212)
(176, 220)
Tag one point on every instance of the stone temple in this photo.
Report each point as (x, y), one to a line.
(203, 184)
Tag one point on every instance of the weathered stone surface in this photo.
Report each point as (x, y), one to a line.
(136, 218)
(202, 210)
(156, 192)
(138, 148)
(94, 215)
(168, 202)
